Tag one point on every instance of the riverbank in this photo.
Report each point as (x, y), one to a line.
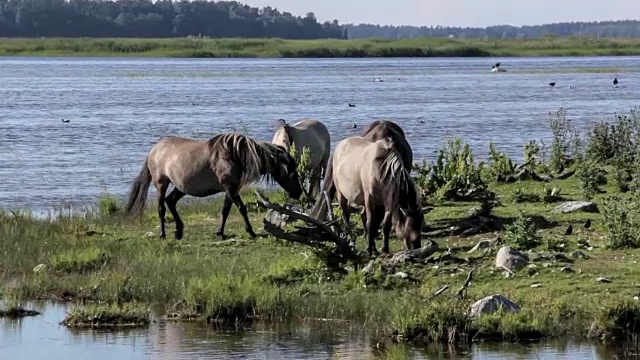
(329, 48)
(578, 282)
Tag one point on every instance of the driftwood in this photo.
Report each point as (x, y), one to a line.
(316, 233)
(465, 285)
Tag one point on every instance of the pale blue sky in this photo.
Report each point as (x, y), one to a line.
(459, 12)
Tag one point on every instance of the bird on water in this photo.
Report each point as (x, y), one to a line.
(552, 84)
(65, 121)
(615, 81)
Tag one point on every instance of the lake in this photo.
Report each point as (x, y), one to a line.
(42, 337)
(117, 108)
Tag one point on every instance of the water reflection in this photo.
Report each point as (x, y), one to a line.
(42, 337)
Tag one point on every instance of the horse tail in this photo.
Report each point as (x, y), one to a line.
(320, 208)
(139, 191)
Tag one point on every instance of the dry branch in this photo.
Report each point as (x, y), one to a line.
(466, 284)
(316, 234)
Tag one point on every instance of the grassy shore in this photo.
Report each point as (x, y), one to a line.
(118, 268)
(278, 48)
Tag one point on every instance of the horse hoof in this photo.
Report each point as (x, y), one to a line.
(178, 235)
(252, 234)
(220, 236)
(385, 251)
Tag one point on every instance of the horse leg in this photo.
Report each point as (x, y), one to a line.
(161, 190)
(171, 202)
(386, 230)
(226, 208)
(314, 184)
(345, 212)
(243, 210)
(374, 218)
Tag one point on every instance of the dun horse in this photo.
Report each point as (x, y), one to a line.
(371, 176)
(225, 163)
(311, 134)
(376, 130)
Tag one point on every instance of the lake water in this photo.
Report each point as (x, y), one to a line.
(119, 107)
(42, 337)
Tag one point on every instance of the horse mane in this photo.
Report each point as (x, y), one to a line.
(393, 173)
(282, 124)
(255, 158)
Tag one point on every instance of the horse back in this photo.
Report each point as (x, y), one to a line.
(381, 129)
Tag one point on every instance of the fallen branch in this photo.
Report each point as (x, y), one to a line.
(465, 285)
(438, 292)
(315, 235)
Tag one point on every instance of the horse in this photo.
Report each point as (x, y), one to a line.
(225, 163)
(380, 129)
(370, 176)
(311, 134)
(376, 130)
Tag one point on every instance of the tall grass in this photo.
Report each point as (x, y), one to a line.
(237, 47)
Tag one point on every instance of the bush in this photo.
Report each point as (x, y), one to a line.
(455, 176)
(522, 234)
(621, 223)
(500, 165)
(562, 132)
(108, 205)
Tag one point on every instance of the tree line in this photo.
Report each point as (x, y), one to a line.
(159, 19)
(607, 29)
(167, 18)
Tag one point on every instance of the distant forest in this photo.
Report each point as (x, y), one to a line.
(166, 18)
(609, 29)
(159, 19)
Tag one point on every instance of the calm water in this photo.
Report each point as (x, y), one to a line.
(118, 107)
(42, 337)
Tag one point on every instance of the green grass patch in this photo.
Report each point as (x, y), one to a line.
(328, 48)
(107, 316)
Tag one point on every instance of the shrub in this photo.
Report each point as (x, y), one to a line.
(621, 223)
(454, 176)
(500, 165)
(108, 205)
(521, 234)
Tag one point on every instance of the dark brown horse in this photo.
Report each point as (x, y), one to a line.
(376, 130)
(225, 163)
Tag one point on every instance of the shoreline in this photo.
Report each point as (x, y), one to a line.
(329, 48)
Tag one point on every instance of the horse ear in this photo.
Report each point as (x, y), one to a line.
(282, 122)
(389, 142)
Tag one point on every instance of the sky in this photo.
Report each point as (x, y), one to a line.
(459, 12)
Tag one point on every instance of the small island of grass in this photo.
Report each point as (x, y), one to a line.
(327, 48)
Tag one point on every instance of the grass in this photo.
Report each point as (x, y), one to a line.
(114, 267)
(329, 48)
(101, 316)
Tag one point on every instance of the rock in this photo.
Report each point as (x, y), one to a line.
(40, 268)
(546, 265)
(368, 268)
(567, 269)
(150, 234)
(511, 259)
(402, 275)
(579, 255)
(536, 285)
(491, 304)
(573, 206)
(603, 280)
